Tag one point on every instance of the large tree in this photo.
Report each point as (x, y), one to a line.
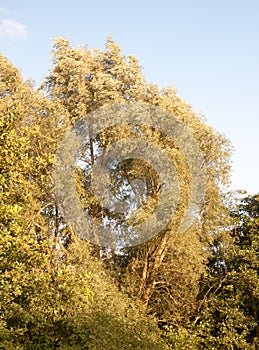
(164, 272)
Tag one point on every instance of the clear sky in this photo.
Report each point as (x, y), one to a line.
(207, 49)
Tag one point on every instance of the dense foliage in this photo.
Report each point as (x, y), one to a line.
(196, 289)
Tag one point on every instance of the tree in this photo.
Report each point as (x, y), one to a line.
(244, 261)
(227, 316)
(83, 80)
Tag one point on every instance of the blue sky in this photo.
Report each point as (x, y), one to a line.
(209, 50)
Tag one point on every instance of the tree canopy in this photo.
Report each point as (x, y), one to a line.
(181, 289)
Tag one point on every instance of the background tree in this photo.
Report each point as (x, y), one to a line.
(227, 312)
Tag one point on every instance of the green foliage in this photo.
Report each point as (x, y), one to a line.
(227, 306)
(71, 305)
(200, 287)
